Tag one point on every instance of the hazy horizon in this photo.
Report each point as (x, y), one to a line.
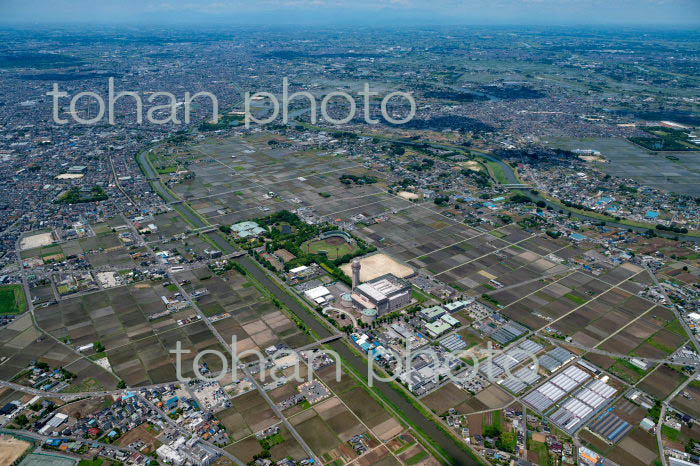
(381, 13)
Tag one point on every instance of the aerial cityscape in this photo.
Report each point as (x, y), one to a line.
(326, 233)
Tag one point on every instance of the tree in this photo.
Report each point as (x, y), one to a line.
(441, 200)
(520, 199)
(506, 442)
(492, 431)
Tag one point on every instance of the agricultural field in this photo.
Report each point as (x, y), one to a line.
(493, 397)
(629, 160)
(137, 347)
(235, 176)
(22, 343)
(444, 398)
(638, 448)
(687, 400)
(240, 309)
(12, 299)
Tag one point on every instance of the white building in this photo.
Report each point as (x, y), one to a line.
(319, 295)
(168, 454)
(384, 294)
(53, 424)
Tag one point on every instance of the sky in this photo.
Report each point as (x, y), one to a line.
(369, 12)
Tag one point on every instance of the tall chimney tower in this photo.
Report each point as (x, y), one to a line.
(355, 273)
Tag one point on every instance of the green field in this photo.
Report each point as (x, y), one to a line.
(12, 299)
(417, 458)
(496, 172)
(542, 452)
(670, 433)
(419, 295)
(167, 170)
(576, 299)
(334, 247)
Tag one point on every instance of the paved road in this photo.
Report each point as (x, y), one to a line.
(687, 329)
(662, 414)
(457, 455)
(255, 382)
(316, 343)
(187, 433)
(43, 438)
(77, 395)
(340, 347)
(356, 362)
(512, 179)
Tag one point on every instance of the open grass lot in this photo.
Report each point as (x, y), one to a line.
(541, 452)
(628, 372)
(12, 299)
(678, 439)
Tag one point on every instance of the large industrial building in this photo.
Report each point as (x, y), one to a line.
(384, 294)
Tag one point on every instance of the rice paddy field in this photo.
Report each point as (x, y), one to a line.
(22, 343)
